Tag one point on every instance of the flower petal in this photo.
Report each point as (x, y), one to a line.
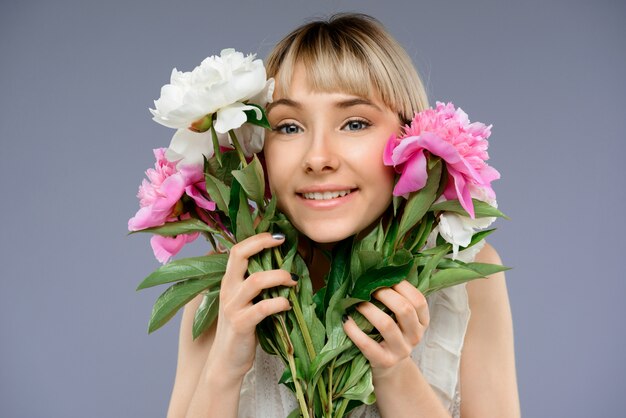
(232, 117)
(165, 248)
(462, 191)
(189, 148)
(157, 213)
(413, 175)
(456, 231)
(194, 191)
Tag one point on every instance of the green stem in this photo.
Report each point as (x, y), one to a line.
(308, 341)
(282, 331)
(216, 143)
(330, 388)
(279, 258)
(242, 157)
(343, 404)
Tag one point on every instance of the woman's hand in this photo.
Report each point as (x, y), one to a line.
(400, 336)
(235, 338)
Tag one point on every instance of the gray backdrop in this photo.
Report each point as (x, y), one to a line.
(76, 81)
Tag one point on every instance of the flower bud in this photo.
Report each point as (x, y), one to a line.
(202, 125)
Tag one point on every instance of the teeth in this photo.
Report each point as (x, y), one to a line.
(325, 195)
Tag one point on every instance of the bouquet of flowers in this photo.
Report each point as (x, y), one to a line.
(210, 182)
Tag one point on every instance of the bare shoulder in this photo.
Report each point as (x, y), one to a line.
(488, 375)
(491, 289)
(192, 355)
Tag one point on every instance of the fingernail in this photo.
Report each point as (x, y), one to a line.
(278, 236)
(344, 318)
(294, 277)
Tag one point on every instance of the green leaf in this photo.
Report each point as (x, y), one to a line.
(218, 191)
(326, 355)
(318, 300)
(300, 352)
(223, 171)
(265, 222)
(233, 205)
(368, 243)
(305, 297)
(481, 209)
(377, 278)
(210, 267)
(206, 312)
(369, 259)
(339, 269)
(363, 389)
(174, 298)
(295, 413)
(431, 264)
(425, 228)
(252, 180)
(453, 276)
(251, 117)
(245, 224)
(390, 237)
(187, 226)
(419, 202)
(216, 144)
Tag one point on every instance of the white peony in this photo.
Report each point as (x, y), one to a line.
(188, 147)
(221, 85)
(458, 230)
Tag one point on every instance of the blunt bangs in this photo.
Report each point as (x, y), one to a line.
(352, 54)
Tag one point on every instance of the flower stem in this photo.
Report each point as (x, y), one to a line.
(343, 404)
(237, 145)
(216, 143)
(282, 331)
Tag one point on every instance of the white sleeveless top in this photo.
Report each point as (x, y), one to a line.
(438, 356)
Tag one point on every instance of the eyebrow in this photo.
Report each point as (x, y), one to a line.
(284, 102)
(343, 104)
(356, 102)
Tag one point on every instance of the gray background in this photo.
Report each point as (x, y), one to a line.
(76, 81)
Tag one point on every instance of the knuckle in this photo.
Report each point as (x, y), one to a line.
(386, 324)
(254, 280)
(406, 309)
(236, 251)
(420, 300)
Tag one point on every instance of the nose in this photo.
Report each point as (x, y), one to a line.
(321, 156)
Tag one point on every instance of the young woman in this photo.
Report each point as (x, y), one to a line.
(342, 88)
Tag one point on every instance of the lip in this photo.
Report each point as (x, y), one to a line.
(321, 188)
(326, 204)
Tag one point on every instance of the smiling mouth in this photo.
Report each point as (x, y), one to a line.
(326, 195)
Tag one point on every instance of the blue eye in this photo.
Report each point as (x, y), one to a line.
(357, 125)
(288, 129)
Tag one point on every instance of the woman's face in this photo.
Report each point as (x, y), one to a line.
(324, 159)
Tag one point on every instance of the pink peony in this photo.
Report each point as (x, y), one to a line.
(165, 248)
(446, 133)
(160, 201)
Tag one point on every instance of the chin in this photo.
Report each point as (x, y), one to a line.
(327, 232)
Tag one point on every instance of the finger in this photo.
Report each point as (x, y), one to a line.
(238, 258)
(416, 298)
(266, 307)
(259, 281)
(388, 328)
(405, 313)
(371, 349)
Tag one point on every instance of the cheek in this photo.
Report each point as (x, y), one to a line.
(277, 168)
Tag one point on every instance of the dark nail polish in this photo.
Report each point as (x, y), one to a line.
(278, 236)
(294, 277)
(344, 318)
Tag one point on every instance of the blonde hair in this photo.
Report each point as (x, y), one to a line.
(350, 53)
